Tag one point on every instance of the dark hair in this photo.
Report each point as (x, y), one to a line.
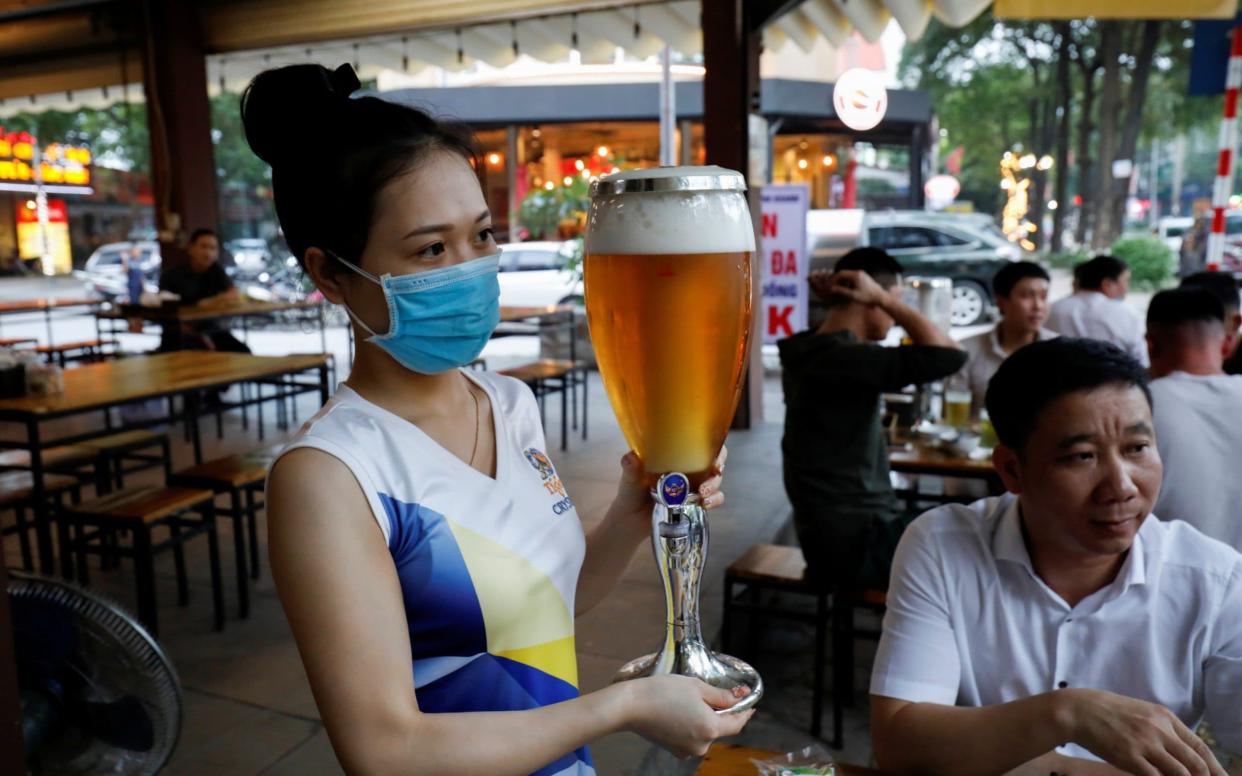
(201, 232)
(1010, 275)
(875, 262)
(1221, 285)
(1038, 374)
(1091, 274)
(331, 154)
(1180, 306)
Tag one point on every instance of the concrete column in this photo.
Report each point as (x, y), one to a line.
(174, 76)
(730, 94)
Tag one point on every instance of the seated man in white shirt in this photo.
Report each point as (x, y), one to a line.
(1061, 625)
(1197, 407)
(1097, 308)
(1224, 286)
(1021, 292)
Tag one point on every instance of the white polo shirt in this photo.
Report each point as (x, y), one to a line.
(985, 356)
(1091, 314)
(1200, 442)
(969, 623)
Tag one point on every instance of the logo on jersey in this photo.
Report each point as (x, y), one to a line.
(551, 482)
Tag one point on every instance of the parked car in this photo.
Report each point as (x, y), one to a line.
(533, 274)
(1170, 230)
(104, 272)
(249, 253)
(1193, 254)
(967, 248)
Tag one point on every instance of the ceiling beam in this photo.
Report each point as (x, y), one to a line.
(764, 12)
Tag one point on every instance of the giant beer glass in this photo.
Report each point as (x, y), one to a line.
(668, 296)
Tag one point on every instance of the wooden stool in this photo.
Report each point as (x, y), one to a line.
(140, 510)
(82, 462)
(127, 446)
(85, 350)
(240, 475)
(17, 493)
(781, 568)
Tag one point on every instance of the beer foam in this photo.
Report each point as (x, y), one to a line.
(669, 222)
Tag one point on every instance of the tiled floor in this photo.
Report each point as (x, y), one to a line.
(248, 708)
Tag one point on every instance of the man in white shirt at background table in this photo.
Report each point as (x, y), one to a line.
(1097, 308)
(1021, 293)
(1061, 622)
(1198, 413)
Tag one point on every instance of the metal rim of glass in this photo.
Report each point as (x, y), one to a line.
(727, 181)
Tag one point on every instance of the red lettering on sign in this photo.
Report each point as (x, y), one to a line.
(778, 321)
(783, 263)
(769, 224)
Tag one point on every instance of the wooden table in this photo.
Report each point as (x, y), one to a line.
(46, 306)
(930, 461)
(732, 760)
(99, 387)
(198, 313)
(922, 460)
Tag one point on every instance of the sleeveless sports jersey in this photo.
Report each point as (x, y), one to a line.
(488, 568)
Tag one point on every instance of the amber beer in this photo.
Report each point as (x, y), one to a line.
(668, 296)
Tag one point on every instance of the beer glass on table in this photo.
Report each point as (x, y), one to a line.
(668, 295)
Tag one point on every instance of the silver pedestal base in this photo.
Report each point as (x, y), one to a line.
(693, 658)
(679, 538)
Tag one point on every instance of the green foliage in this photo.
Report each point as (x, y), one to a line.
(236, 164)
(117, 135)
(542, 210)
(1152, 263)
(1067, 259)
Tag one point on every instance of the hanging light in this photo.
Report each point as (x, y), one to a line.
(860, 98)
(568, 181)
(802, 164)
(549, 185)
(223, 88)
(602, 151)
(461, 54)
(494, 159)
(405, 54)
(513, 33)
(578, 165)
(357, 67)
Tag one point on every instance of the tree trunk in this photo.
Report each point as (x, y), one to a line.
(1110, 104)
(1086, 183)
(1135, 100)
(1061, 157)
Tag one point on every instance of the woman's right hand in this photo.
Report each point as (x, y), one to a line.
(679, 713)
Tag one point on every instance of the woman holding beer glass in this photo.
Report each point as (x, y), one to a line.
(415, 521)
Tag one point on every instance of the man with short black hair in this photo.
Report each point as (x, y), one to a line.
(1097, 308)
(1224, 286)
(1021, 292)
(1195, 405)
(201, 281)
(835, 449)
(1061, 624)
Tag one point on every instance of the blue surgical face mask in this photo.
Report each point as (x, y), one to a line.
(438, 320)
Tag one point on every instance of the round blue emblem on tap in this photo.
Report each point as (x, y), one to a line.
(673, 489)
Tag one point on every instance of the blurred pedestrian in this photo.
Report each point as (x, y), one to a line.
(201, 281)
(1224, 286)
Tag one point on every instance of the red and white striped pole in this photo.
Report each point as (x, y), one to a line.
(1228, 146)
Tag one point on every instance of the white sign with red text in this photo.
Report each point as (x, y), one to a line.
(783, 256)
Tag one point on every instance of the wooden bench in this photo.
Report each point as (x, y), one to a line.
(83, 350)
(241, 475)
(139, 511)
(547, 376)
(777, 567)
(17, 494)
(129, 446)
(12, 342)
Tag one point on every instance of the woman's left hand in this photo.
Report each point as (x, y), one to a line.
(633, 495)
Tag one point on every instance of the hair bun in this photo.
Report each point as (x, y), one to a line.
(281, 109)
